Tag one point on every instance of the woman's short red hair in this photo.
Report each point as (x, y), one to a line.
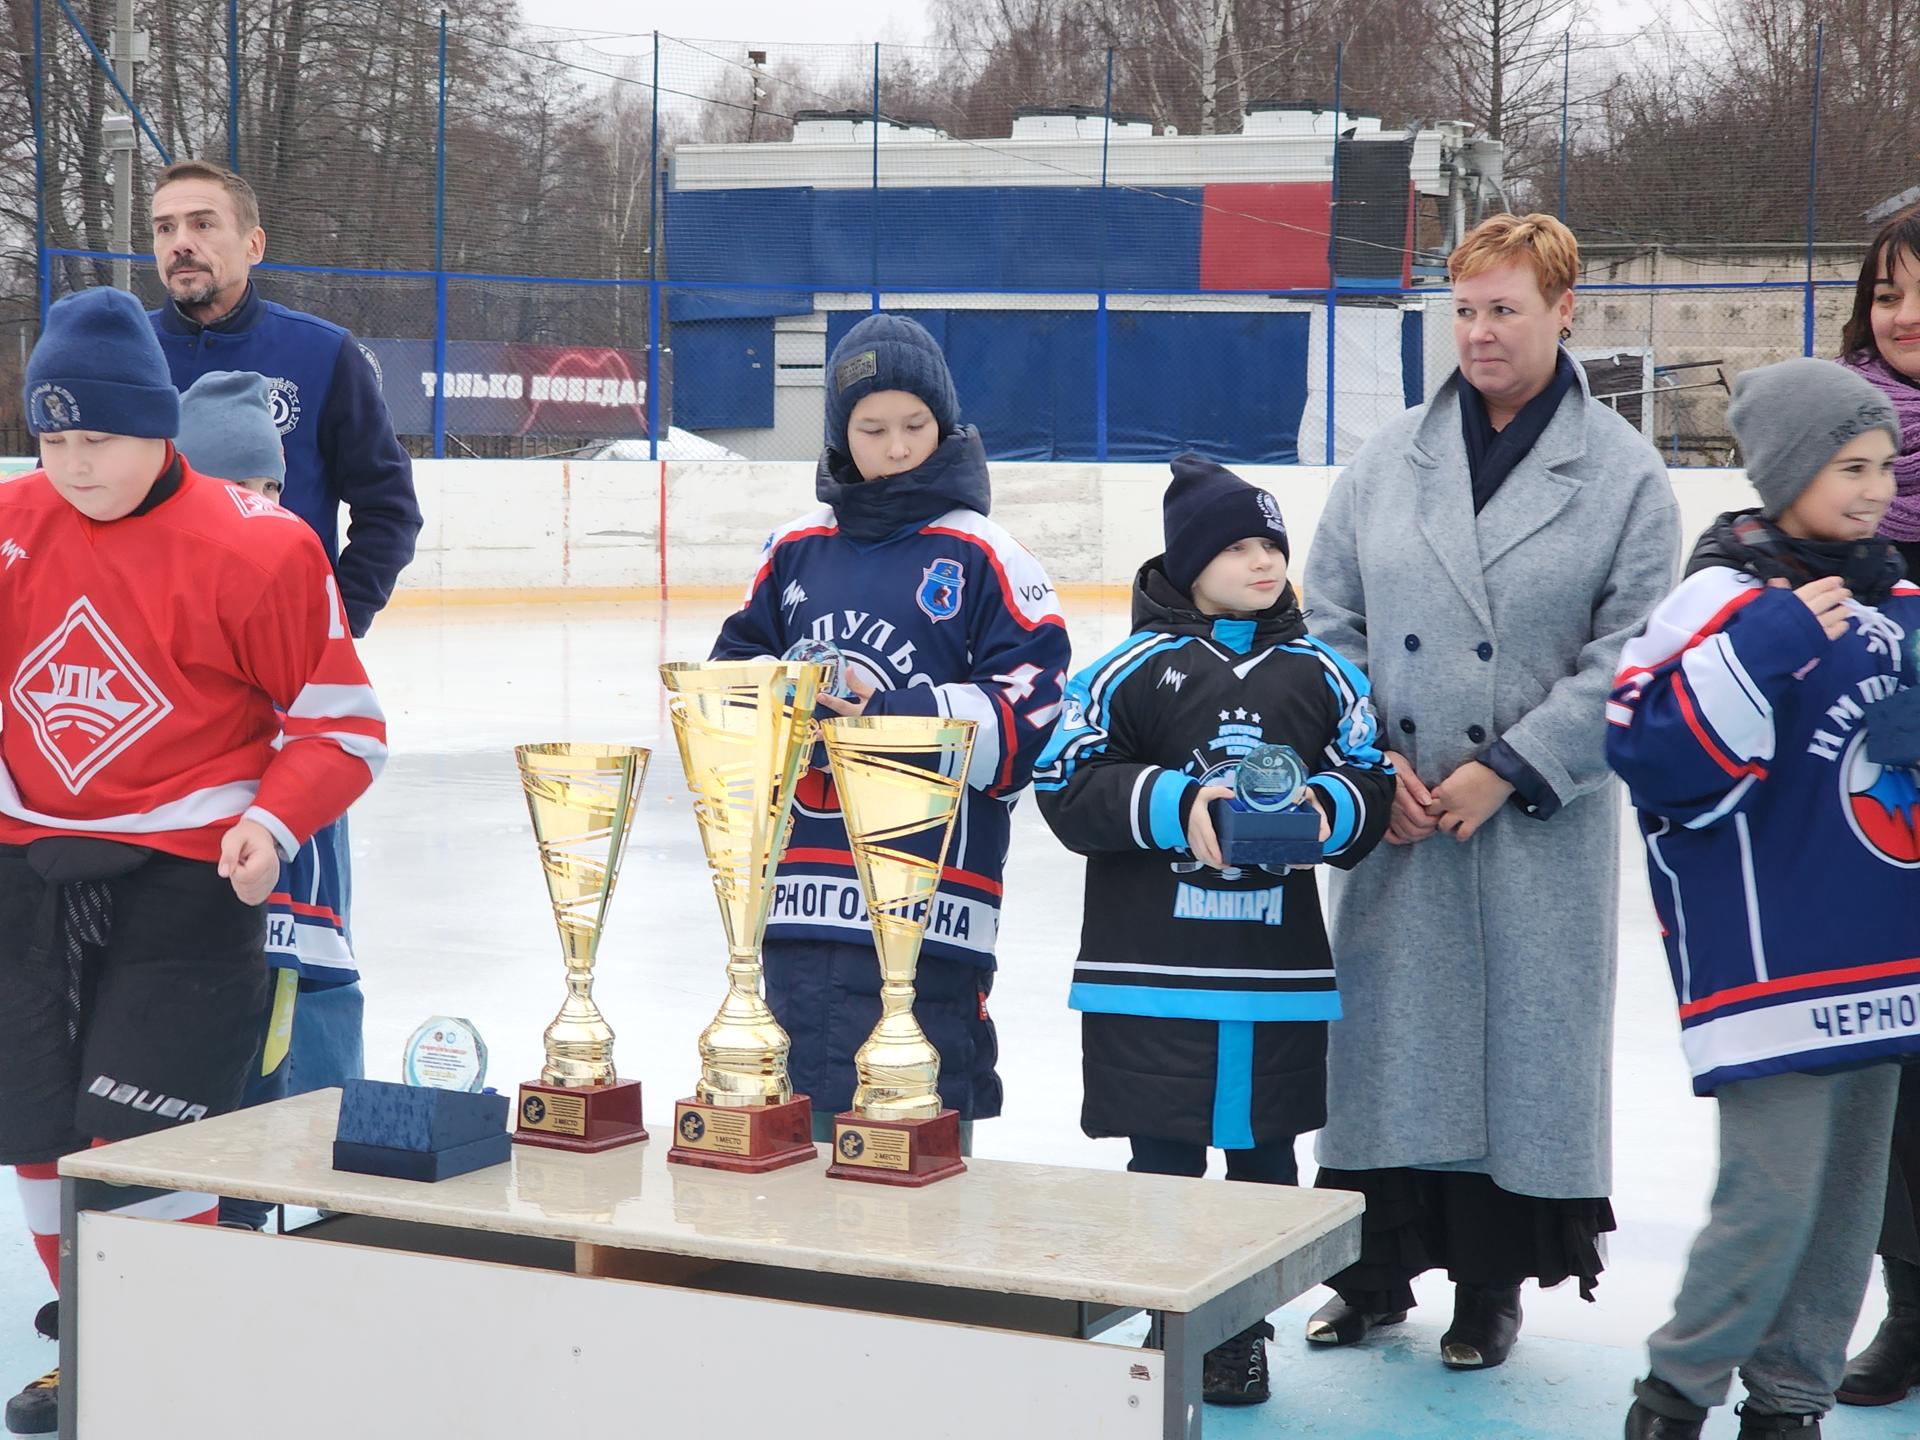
(1538, 239)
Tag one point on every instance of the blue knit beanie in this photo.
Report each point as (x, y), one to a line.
(888, 352)
(99, 367)
(1206, 509)
(227, 429)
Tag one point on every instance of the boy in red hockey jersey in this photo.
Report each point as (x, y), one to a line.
(155, 618)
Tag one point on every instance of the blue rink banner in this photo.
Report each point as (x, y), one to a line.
(507, 388)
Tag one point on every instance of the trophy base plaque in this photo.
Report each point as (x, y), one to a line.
(589, 1118)
(1267, 837)
(749, 1139)
(896, 1152)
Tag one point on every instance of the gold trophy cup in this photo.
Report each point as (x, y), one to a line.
(901, 779)
(744, 729)
(581, 798)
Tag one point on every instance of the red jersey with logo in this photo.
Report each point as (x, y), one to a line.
(142, 661)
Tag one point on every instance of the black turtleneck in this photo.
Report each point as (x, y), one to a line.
(164, 489)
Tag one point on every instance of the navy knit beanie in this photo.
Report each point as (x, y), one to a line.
(227, 429)
(1206, 509)
(98, 367)
(888, 352)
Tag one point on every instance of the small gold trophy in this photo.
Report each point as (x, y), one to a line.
(581, 798)
(901, 780)
(744, 728)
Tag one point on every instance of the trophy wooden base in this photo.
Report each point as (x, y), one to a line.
(589, 1118)
(749, 1139)
(896, 1152)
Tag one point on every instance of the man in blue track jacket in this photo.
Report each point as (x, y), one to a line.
(340, 449)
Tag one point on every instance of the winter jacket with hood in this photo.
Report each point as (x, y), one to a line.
(1206, 992)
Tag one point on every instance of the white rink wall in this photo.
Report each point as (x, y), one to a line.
(590, 529)
(573, 528)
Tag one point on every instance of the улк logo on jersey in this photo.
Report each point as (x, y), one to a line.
(84, 698)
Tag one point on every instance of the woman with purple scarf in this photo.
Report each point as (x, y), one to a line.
(1882, 342)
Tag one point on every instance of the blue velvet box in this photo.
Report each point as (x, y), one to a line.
(1893, 728)
(410, 1132)
(1266, 837)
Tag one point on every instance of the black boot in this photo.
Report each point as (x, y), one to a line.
(1486, 1322)
(1754, 1425)
(1235, 1372)
(1338, 1323)
(1890, 1367)
(1662, 1413)
(36, 1409)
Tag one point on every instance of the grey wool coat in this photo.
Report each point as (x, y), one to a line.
(1478, 977)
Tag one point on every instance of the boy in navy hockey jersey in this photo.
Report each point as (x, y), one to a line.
(227, 432)
(1783, 851)
(1205, 991)
(938, 611)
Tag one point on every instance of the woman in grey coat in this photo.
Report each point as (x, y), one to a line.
(1484, 559)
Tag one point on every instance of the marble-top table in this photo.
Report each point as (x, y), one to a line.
(1204, 1257)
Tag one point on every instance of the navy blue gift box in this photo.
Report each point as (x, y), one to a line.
(1893, 728)
(411, 1132)
(1267, 837)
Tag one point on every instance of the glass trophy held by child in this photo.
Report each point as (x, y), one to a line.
(1268, 821)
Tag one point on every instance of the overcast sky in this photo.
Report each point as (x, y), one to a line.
(901, 22)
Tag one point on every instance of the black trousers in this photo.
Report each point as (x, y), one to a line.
(1270, 1164)
(152, 1029)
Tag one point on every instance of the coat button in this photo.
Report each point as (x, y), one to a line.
(1476, 734)
(1484, 651)
(1406, 725)
(1413, 643)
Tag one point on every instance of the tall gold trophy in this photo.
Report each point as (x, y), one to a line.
(744, 728)
(901, 779)
(581, 798)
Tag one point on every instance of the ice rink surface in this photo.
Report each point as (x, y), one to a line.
(451, 917)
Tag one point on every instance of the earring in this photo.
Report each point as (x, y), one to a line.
(1566, 332)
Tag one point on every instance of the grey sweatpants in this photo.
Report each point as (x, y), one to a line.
(1775, 1281)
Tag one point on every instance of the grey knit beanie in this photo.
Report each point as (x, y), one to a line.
(227, 429)
(1792, 418)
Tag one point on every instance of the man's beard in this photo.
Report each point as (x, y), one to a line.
(201, 288)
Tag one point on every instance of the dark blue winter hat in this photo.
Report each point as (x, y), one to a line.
(227, 429)
(888, 352)
(1206, 509)
(99, 367)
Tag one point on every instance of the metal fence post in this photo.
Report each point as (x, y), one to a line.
(653, 268)
(873, 196)
(440, 260)
(1100, 332)
(1333, 248)
(233, 86)
(42, 269)
(1813, 175)
(1566, 90)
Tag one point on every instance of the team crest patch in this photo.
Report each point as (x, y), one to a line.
(1883, 805)
(854, 369)
(84, 698)
(940, 587)
(283, 401)
(1270, 508)
(53, 407)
